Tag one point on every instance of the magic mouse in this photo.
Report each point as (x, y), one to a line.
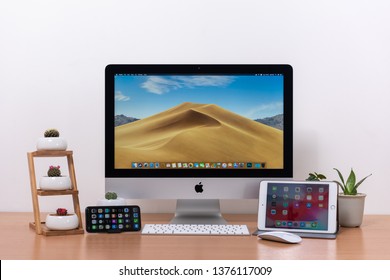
(280, 236)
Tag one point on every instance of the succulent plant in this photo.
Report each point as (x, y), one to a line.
(54, 171)
(62, 212)
(111, 195)
(52, 133)
(350, 186)
(316, 177)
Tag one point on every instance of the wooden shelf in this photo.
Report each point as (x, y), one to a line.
(48, 232)
(64, 192)
(38, 225)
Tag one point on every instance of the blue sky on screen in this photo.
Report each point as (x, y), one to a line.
(252, 96)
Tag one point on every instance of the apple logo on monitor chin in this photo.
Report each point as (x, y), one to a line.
(199, 187)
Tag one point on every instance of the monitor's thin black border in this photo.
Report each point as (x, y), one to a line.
(161, 69)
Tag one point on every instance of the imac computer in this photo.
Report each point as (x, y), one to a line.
(197, 133)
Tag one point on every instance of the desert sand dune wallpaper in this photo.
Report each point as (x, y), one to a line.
(198, 119)
(193, 132)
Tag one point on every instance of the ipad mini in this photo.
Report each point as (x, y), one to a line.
(298, 206)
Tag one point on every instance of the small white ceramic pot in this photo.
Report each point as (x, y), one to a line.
(52, 143)
(111, 202)
(68, 222)
(55, 183)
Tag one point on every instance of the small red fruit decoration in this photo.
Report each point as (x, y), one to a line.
(62, 212)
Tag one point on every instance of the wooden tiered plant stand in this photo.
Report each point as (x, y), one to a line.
(38, 225)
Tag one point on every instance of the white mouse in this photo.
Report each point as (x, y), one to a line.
(280, 236)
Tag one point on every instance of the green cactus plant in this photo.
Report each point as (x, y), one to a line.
(54, 171)
(51, 133)
(111, 195)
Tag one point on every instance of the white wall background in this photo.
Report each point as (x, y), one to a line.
(53, 54)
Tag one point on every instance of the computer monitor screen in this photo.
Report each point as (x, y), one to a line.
(197, 131)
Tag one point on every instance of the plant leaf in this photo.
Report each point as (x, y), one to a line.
(361, 181)
(351, 181)
(321, 176)
(341, 177)
(340, 185)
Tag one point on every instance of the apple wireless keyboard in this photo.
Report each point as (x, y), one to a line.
(194, 229)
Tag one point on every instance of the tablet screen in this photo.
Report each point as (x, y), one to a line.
(297, 206)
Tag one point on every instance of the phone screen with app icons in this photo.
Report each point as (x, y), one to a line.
(112, 218)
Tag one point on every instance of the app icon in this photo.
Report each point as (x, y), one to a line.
(285, 212)
(201, 165)
(289, 224)
(249, 165)
(308, 197)
(157, 165)
(309, 189)
(320, 197)
(285, 196)
(140, 165)
(151, 165)
(285, 189)
(273, 211)
(302, 224)
(297, 197)
(274, 196)
(94, 227)
(273, 203)
(320, 205)
(308, 205)
(297, 189)
(134, 165)
(278, 223)
(285, 204)
(313, 224)
(321, 190)
(296, 204)
(274, 188)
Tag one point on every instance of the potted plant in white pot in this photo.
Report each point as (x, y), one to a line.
(52, 141)
(111, 199)
(61, 220)
(54, 180)
(350, 202)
